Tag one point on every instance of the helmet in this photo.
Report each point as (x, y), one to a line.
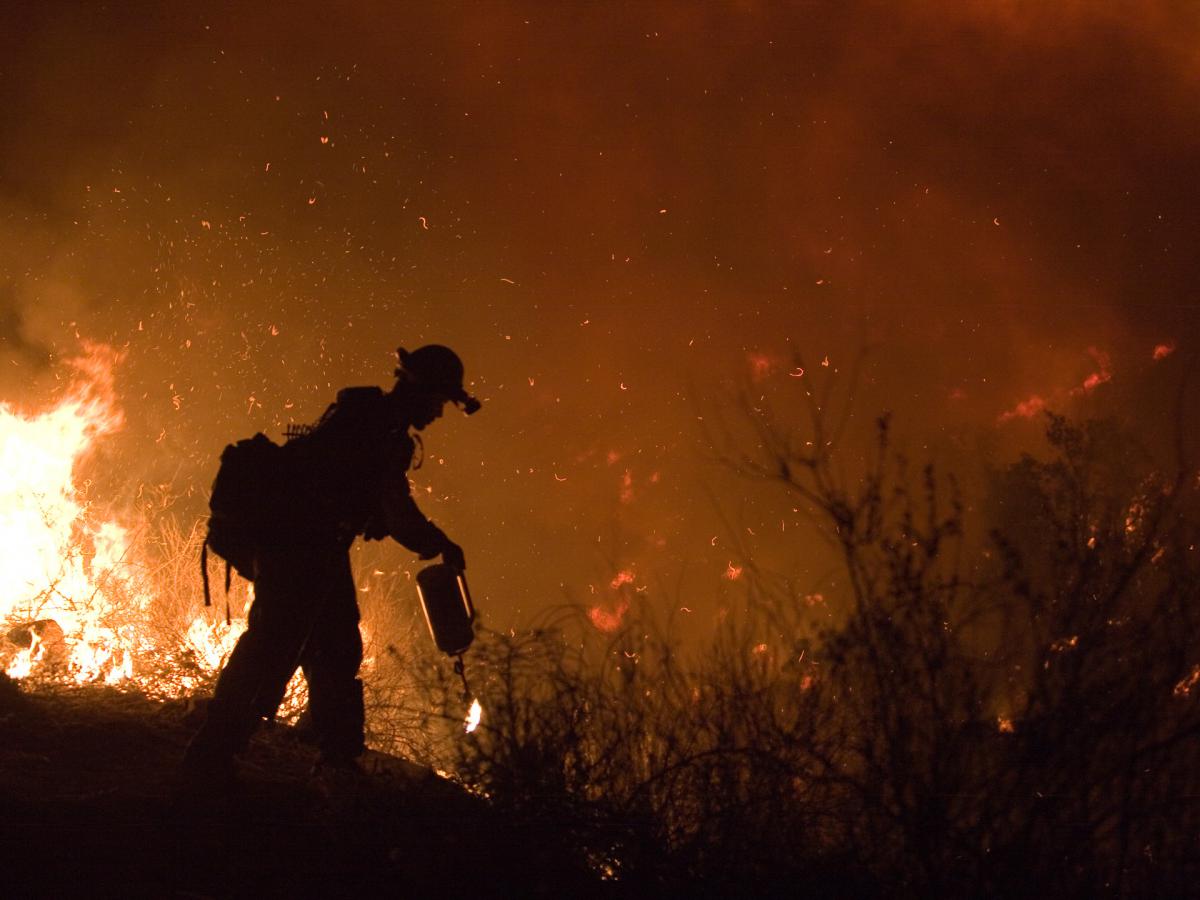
(436, 369)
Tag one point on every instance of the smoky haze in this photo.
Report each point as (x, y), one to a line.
(616, 213)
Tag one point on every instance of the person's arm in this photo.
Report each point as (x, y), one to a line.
(409, 526)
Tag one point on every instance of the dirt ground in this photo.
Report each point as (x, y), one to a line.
(89, 807)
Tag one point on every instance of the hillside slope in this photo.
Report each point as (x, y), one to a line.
(87, 806)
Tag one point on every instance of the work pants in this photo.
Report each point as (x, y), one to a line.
(304, 614)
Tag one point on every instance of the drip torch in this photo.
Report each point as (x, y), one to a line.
(446, 602)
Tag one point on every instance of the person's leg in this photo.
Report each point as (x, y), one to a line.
(331, 660)
(252, 683)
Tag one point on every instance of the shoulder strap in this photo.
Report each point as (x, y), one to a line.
(204, 572)
(204, 580)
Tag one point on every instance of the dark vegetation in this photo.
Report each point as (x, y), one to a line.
(1014, 714)
(998, 700)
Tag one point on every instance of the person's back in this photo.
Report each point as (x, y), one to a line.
(342, 466)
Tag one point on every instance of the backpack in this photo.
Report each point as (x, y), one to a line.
(245, 506)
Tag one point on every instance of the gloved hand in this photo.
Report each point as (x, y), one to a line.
(452, 555)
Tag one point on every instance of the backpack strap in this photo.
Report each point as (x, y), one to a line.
(204, 579)
(204, 573)
(228, 580)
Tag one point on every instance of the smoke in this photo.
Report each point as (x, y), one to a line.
(608, 210)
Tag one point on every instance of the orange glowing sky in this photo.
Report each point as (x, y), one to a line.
(615, 212)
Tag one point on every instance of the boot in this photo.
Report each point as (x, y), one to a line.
(337, 779)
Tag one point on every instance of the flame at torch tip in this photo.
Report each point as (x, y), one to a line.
(474, 715)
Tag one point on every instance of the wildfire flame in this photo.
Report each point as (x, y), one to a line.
(74, 595)
(1026, 409)
(608, 619)
(57, 562)
(1035, 404)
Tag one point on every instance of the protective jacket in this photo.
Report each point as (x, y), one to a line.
(351, 474)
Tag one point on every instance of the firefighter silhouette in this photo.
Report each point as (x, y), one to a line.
(346, 476)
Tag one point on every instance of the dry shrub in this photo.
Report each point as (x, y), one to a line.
(659, 767)
(187, 642)
(1017, 720)
(404, 676)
